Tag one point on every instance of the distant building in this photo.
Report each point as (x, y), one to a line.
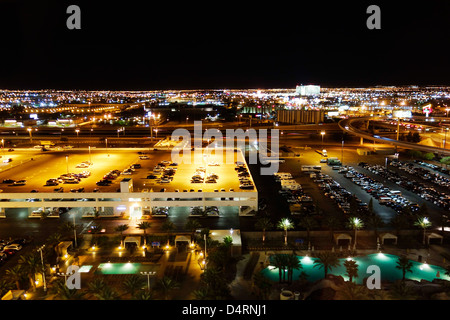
(300, 116)
(309, 90)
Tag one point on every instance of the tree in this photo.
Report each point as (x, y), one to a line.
(144, 225)
(168, 226)
(285, 224)
(144, 295)
(121, 228)
(166, 285)
(106, 293)
(279, 261)
(416, 137)
(293, 263)
(193, 225)
(16, 274)
(96, 285)
(415, 154)
(445, 160)
(355, 224)
(308, 223)
(31, 264)
(424, 223)
(352, 291)
(351, 268)
(404, 264)
(429, 156)
(264, 224)
(132, 284)
(326, 260)
(62, 292)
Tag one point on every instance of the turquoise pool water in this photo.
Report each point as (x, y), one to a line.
(386, 262)
(121, 268)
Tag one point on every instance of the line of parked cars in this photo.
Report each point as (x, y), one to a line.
(10, 248)
(441, 199)
(243, 176)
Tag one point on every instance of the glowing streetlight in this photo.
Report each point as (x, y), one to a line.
(148, 274)
(31, 136)
(77, 131)
(322, 133)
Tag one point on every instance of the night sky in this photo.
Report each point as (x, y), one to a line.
(129, 45)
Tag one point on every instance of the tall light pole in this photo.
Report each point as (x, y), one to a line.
(106, 142)
(445, 137)
(67, 163)
(90, 160)
(43, 267)
(74, 228)
(148, 274)
(322, 133)
(204, 237)
(31, 136)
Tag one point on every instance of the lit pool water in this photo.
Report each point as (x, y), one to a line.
(386, 262)
(121, 268)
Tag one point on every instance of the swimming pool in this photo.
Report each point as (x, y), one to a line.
(121, 268)
(386, 262)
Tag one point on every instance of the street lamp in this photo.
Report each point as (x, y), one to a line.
(445, 137)
(67, 163)
(148, 274)
(31, 136)
(43, 266)
(77, 131)
(322, 133)
(106, 142)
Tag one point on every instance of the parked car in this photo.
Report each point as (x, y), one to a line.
(13, 246)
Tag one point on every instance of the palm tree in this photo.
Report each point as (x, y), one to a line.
(292, 262)
(201, 294)
(106, 293)
(132, 284)
(168, 226)
(67, 227)
(352, 291)
(5, 286)
(264, 224)
(96, 286)
(62, 292)
(308, 223)
(351, 268)
(404, 264)
(193, 225)
(144, 225)
(447, 270)
(165, 285)
(424, 223)
(144, 295)
(355, 224)
(15, 274)
(121, 228)
(326, 260)
(31, 264)
(285, 224)
(279, 261)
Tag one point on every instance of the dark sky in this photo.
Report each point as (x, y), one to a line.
(130, 45)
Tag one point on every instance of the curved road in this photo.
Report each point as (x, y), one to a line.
(346, 125)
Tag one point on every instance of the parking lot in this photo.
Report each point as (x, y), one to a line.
(83, 169)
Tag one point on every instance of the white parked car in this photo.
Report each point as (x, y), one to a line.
(13, 246)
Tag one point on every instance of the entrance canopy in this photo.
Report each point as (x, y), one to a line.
(342, 236)
(434, 236)
(136, 240)
(389, 236)
(182, 238)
